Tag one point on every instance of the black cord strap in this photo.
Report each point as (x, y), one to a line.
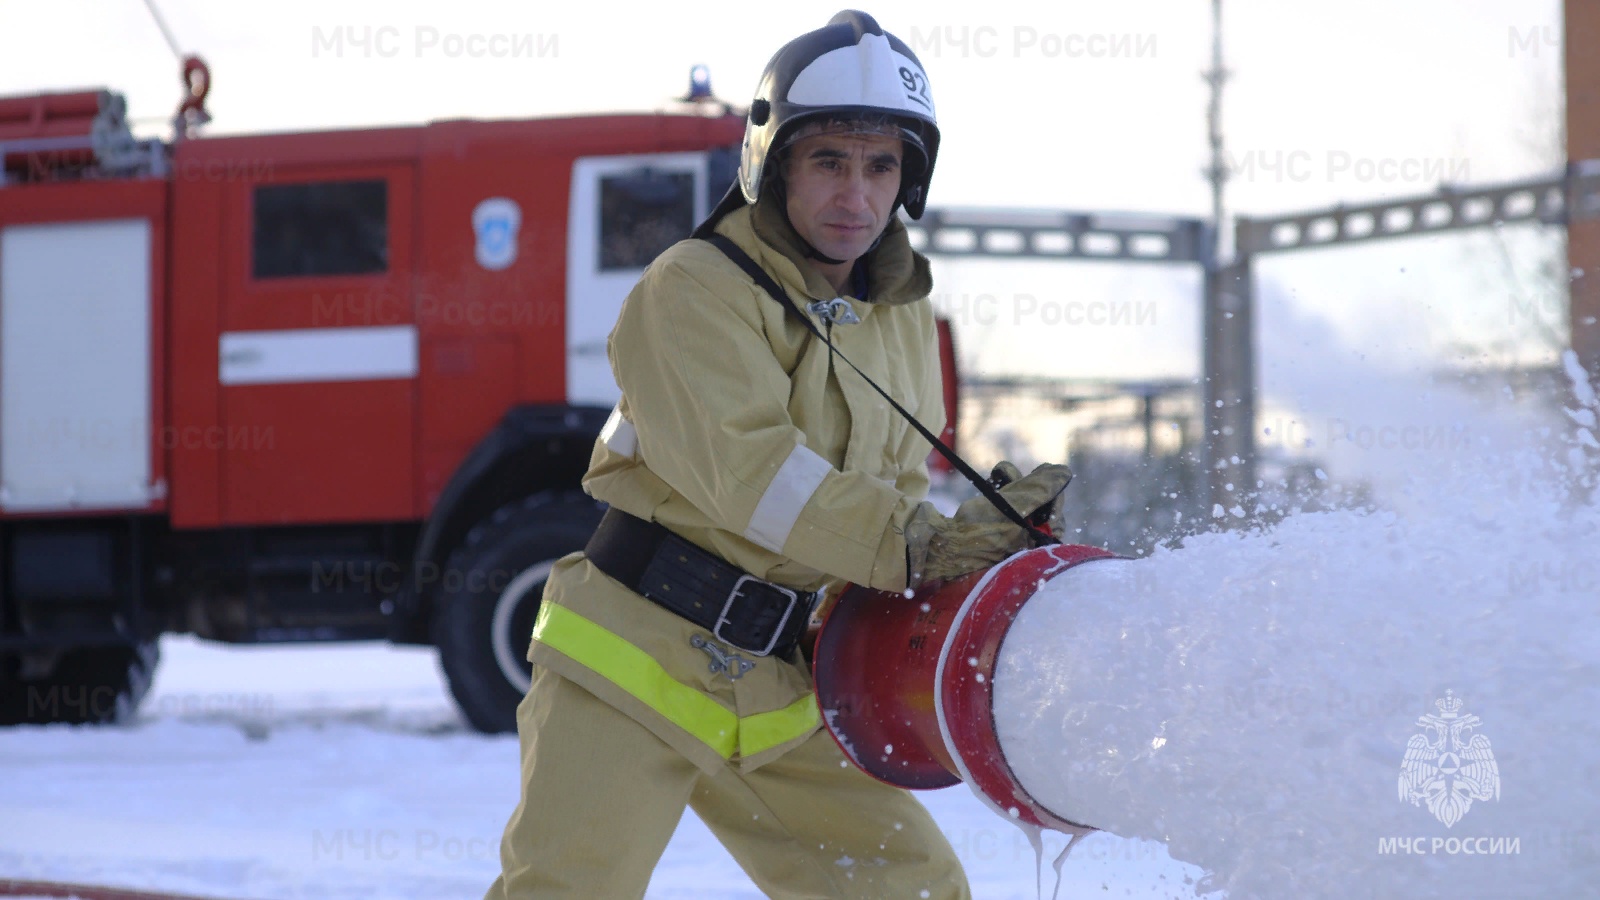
(984, 486)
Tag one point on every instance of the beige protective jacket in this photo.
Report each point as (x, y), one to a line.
(738, 432)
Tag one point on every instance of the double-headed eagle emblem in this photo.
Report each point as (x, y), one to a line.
(1446, 767)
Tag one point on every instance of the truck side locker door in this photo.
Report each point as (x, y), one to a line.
(318, 347)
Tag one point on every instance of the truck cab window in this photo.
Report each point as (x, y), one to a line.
(641, 214)
(321, 228)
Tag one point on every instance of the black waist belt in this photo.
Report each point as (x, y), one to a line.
(738, 608)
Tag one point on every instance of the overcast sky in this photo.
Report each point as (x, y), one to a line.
(1080, 105)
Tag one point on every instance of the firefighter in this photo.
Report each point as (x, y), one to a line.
(745, 471)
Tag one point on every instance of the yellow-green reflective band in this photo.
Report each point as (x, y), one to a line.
(763, 731)
(636, 672)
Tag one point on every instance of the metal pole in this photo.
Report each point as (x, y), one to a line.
(1230, 396)
(1147, 419)
(165, 31)
(1217, 172)
(1228, 420)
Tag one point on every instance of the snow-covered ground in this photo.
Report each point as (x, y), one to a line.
(345, 771)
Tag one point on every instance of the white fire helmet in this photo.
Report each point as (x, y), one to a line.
(848, 77)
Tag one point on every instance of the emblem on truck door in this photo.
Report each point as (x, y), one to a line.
(494, 223)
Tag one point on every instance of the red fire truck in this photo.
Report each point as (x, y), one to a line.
(320, 386)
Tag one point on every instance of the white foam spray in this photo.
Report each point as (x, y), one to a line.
(1249, 698)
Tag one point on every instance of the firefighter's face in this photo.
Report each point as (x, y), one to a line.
(840, 191)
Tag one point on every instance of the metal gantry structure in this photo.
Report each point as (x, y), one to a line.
(1552, 200)
(1070, 235)
(1059, 234)
(1228, 339)
(1560, 199)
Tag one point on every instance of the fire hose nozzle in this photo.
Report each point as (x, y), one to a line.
(906, 687)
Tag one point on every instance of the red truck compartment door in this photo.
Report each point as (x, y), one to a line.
(317, 355)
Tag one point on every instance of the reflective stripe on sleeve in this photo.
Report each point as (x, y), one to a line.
(786, 496)
(635, 671)
(618, 434)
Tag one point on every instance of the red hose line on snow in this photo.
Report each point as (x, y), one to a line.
(10, 887)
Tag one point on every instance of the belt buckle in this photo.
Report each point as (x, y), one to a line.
(777, 632)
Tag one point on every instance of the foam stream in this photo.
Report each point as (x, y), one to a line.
(1249, 698)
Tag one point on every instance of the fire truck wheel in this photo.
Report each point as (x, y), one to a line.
(87, 686)
(490, 594)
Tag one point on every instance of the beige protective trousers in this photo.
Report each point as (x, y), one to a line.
(602, 796)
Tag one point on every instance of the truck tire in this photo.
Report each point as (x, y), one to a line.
(100, 685)
(489, 594)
